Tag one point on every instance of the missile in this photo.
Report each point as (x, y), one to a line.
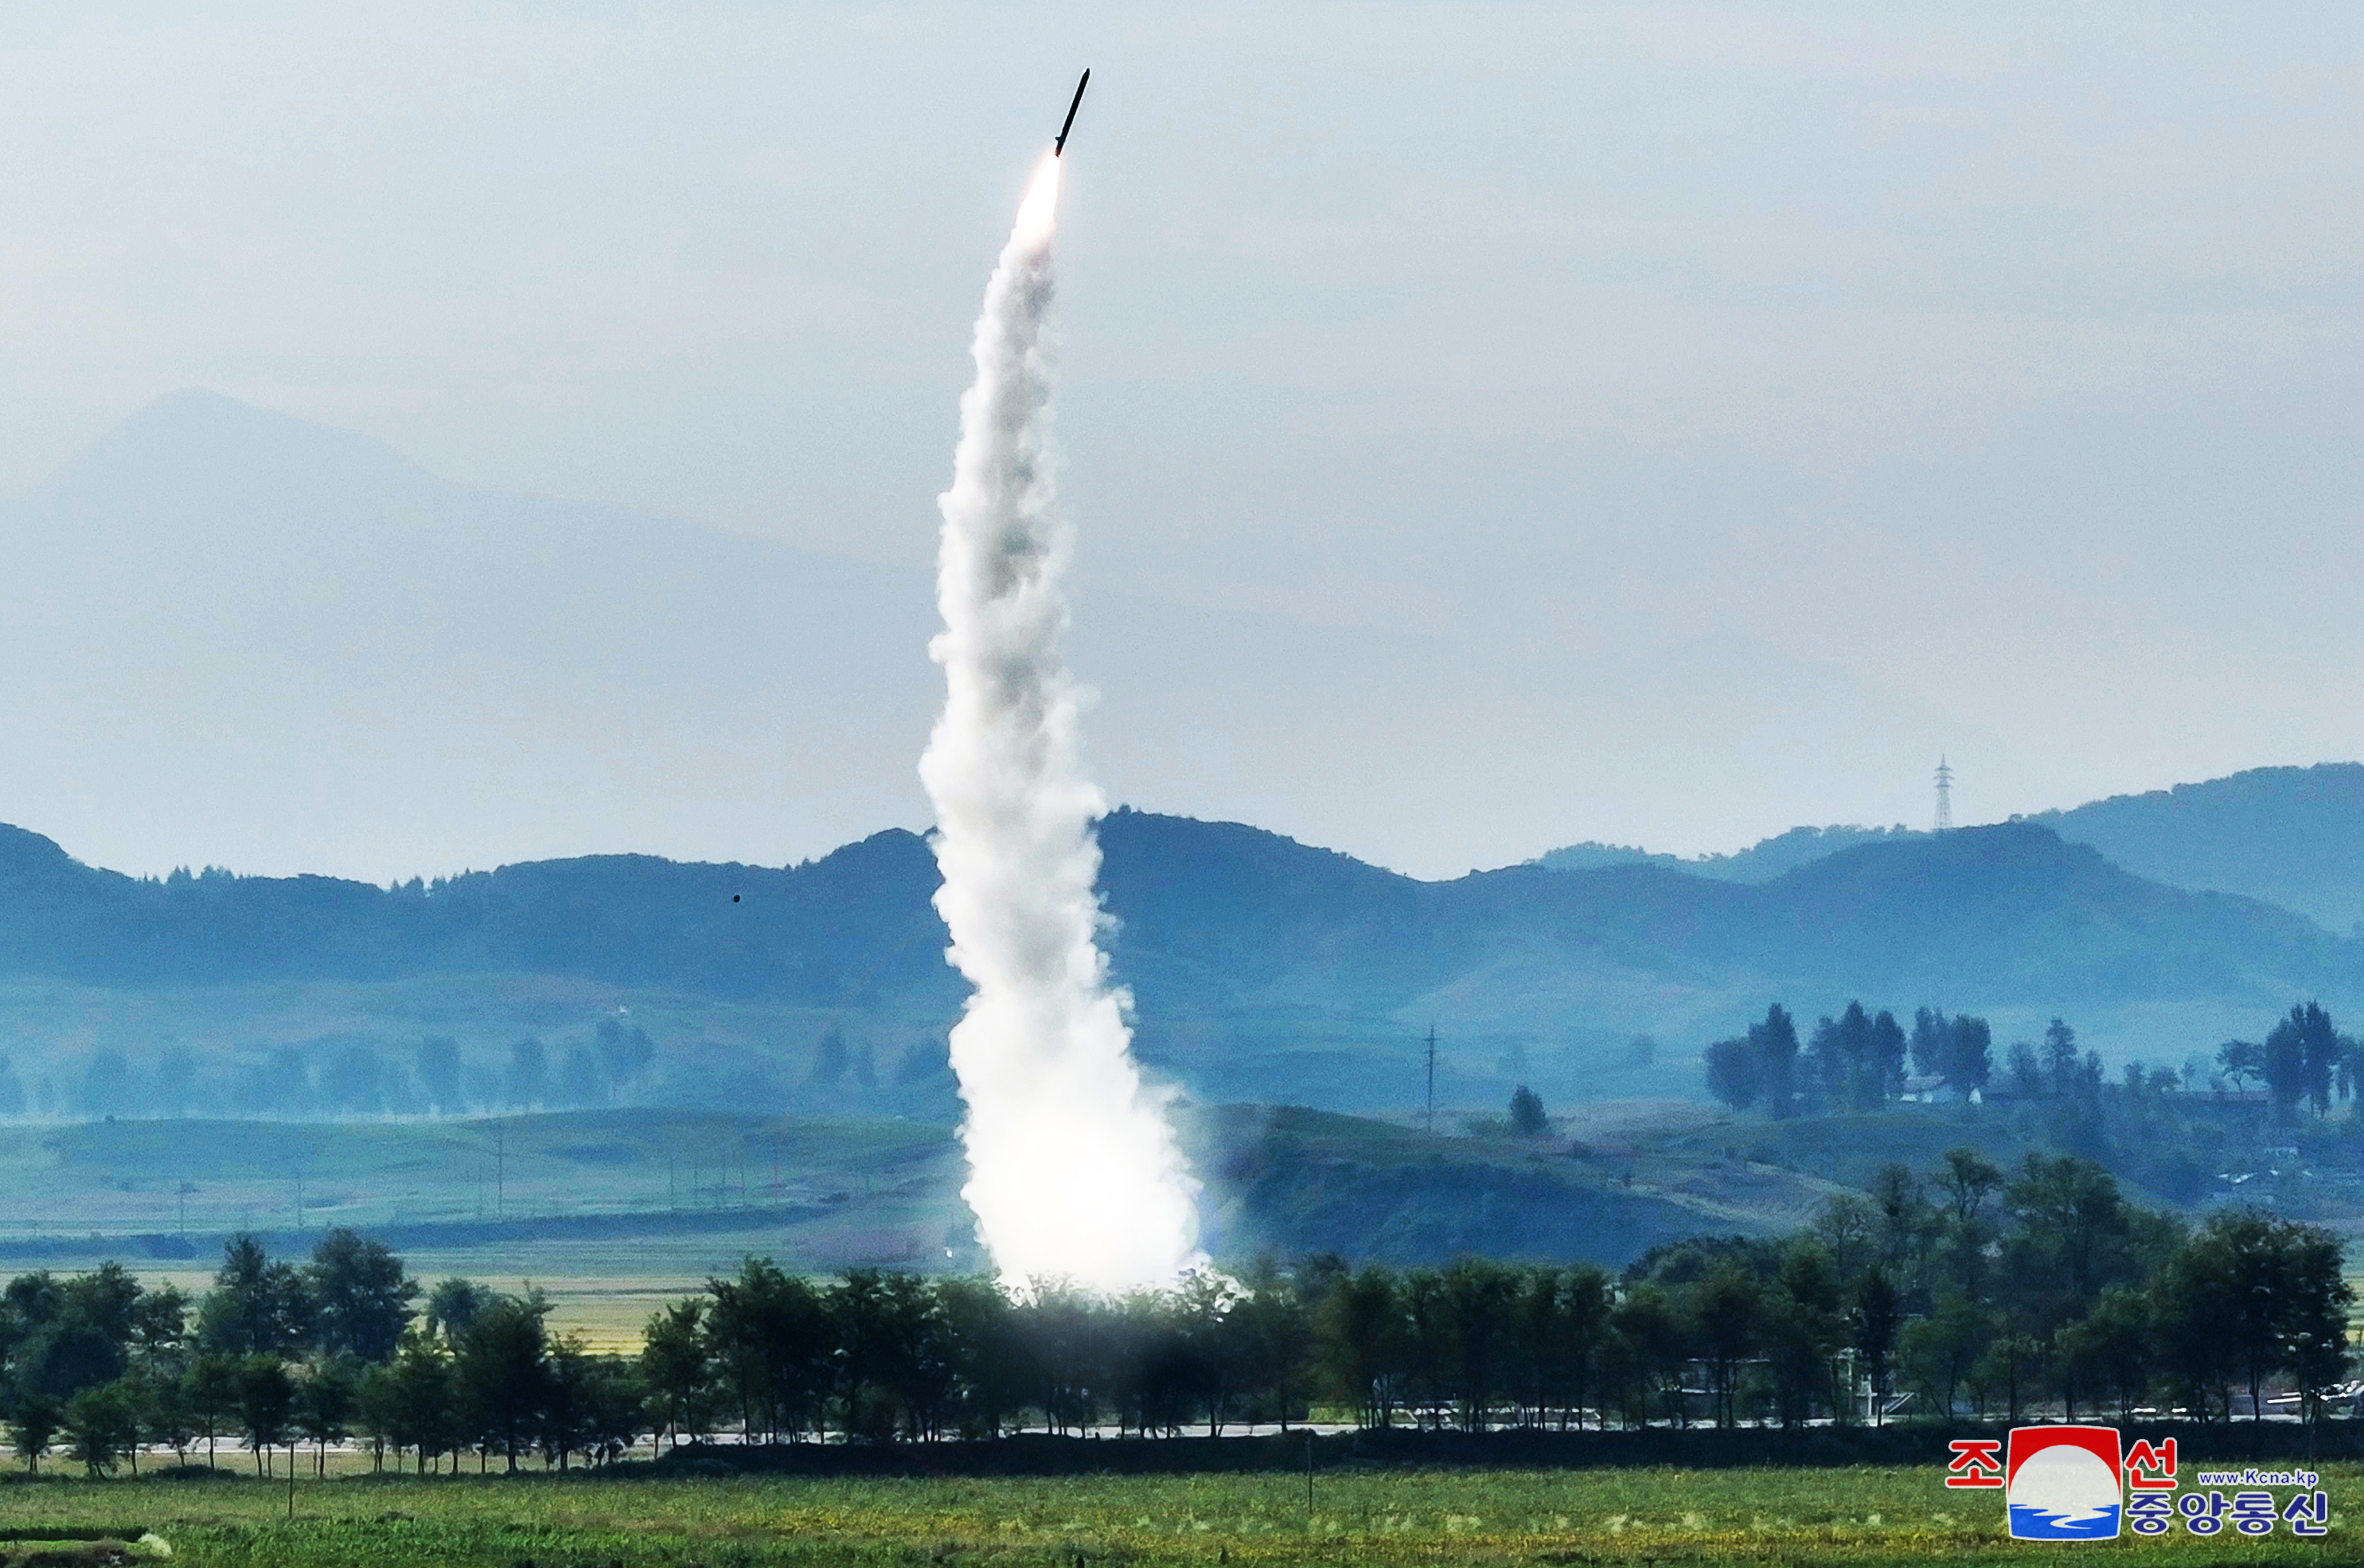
(1064, 125)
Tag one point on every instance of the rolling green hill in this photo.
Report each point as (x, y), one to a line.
(1262, 970)
(2290, 836)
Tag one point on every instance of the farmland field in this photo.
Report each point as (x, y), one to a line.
(1856, 1515)
(612, 1211)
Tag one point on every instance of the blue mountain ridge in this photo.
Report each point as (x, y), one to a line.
(1210, 917)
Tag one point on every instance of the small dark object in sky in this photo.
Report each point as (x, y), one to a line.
(1061, 144)
(734, 898)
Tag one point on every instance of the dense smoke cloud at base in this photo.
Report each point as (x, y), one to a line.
(1075, 1174)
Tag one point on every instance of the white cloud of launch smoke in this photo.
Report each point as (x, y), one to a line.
(1074, 1172)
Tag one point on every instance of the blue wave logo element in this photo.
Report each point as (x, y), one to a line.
(2029, 1522)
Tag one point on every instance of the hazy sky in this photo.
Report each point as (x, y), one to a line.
(1987, 376)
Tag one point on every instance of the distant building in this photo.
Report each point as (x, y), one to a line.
(1931, 1089)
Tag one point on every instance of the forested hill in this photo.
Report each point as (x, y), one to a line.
(2291, 836)
(1761, 862)
(1215, 917)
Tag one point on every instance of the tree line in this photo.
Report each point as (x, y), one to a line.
(354, 1078)
(2304, 1063)
(1856, 1061)
(279, 1354)
(1960, 1291)
(615, 1064)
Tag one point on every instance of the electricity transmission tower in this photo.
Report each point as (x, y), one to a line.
(1945, 796)
(1430, 1118)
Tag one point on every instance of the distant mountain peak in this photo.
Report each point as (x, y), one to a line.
(203, 444)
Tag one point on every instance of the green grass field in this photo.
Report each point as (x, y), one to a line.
(1853, 1516)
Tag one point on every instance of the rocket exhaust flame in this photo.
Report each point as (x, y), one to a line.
(1074, 1172)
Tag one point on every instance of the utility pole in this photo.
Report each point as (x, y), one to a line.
(1945, 796)
(500, 1169)
(1430, 1121)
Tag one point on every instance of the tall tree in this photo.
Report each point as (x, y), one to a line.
(1802, 1325)
(413, 1401)
(1969, 1053)
(2318, 1303)
(266, 1404)
(165, 1418)
(326, 1404)
(33, 1423)
(2061, 1059)
(1933, 1042)
(527, 1081)
(678, 1368)
(1906, 1224)
(1836, 1061)
(1848, 1226)
(504, 1366)
(362, 1295)
(1879, 1316)
(2242, 1060)
(1584, 1302)
(1941, 1350)
(2071, 1236)
(1725, 1308)
(987, 1351)
(1967, 1184)
(625, 1053)
(1650, 1334)
(2300, 1058)
(1735, 1070)
(102, 1425)
(1478, 1295)
(1358, 1335)
(1887, 1061)
(160, 1331)
(1538, 1337)
(439, 1074)
(453, 1305)
(257, 1306)
(1776, 1041)
(212, 1391)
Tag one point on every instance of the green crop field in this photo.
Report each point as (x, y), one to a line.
(1845, 1515)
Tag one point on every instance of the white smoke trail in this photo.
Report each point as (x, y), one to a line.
(1073, 1173)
